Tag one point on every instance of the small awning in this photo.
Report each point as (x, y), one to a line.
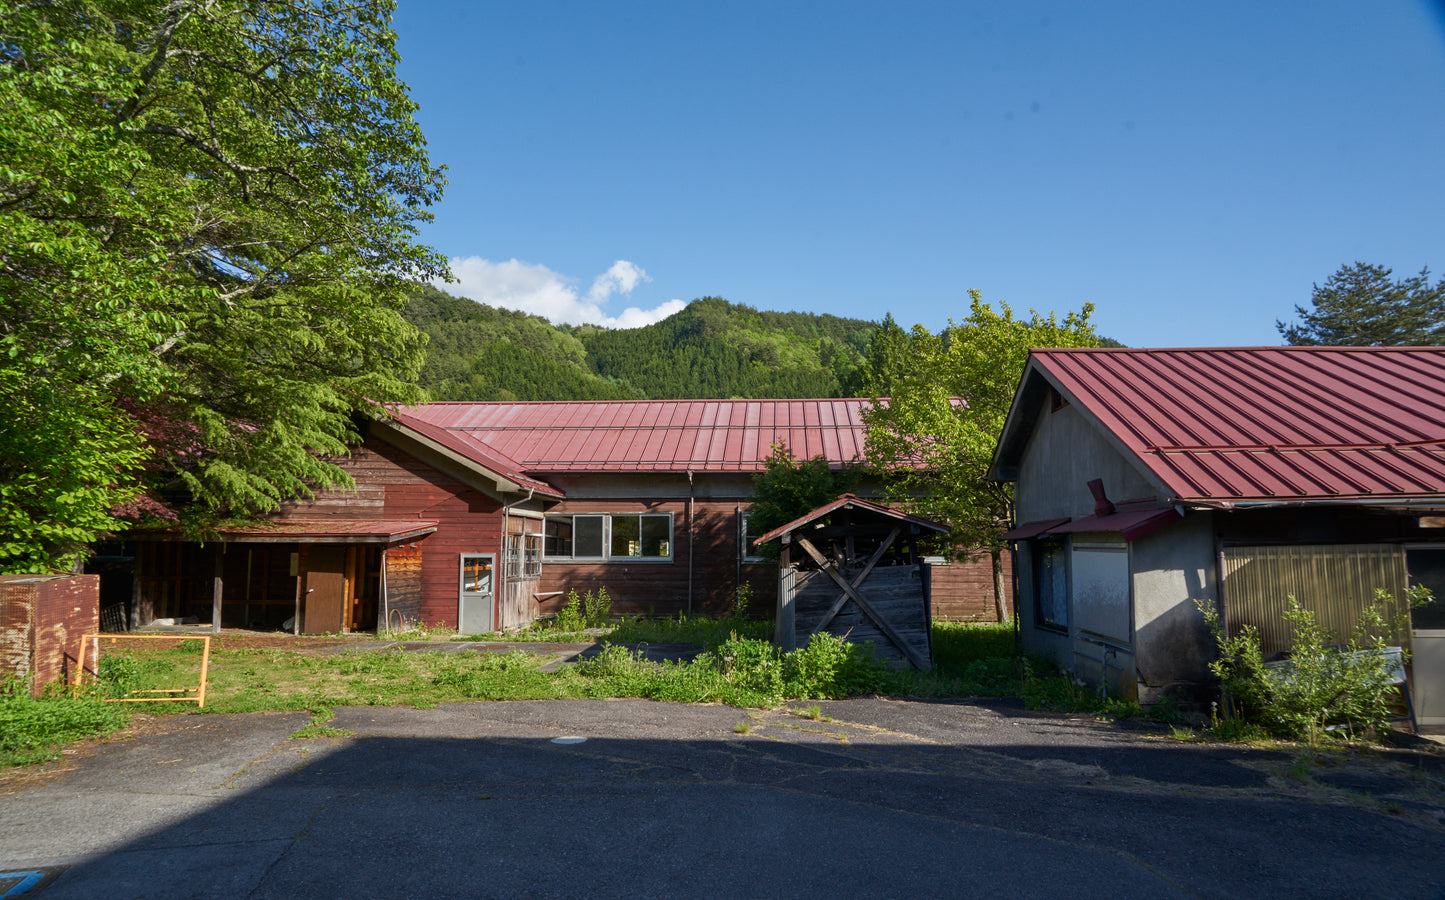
(332, 531)
(1132, 524)
(1033, 529)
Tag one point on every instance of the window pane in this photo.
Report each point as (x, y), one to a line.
(1051, 586)
(532, 567)
(477, 575)
(656, 536)
(558, 541)
(625, 536)
(587, 536)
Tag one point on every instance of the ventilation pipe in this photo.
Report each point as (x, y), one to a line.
(1102, 505)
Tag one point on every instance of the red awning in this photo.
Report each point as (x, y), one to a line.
(1033, 529)
(1132, 523)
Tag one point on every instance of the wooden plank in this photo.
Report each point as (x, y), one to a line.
(843, 598)
(883, 625)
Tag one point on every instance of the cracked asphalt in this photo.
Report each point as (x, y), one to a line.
(859, 797)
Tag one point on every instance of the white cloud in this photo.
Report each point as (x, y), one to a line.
(536, 289)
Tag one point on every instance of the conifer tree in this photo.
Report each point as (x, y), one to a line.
(1360, 305)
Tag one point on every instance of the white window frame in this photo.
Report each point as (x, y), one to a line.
(607, 556)
(747, 551)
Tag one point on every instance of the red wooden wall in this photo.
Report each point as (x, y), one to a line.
(393, 485)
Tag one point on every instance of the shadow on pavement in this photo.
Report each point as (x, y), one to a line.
(478, 799)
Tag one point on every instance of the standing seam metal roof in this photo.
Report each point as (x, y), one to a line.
(1261, 424)
(654, 435)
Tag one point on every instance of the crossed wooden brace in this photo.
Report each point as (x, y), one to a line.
(850, 592)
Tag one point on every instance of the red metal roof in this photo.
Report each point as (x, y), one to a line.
(325, 531)
(849, 501)
(466, 444)
(1265, 424)
(650, 435)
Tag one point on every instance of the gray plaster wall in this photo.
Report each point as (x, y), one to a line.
(1064, 453)
(1171, 568)
(1054, 645)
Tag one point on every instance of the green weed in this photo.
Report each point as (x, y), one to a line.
(33, 729)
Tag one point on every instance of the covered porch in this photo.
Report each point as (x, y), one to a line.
(330, 577)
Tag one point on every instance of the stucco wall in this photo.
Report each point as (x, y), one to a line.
(1171, 569)
(1064, 453)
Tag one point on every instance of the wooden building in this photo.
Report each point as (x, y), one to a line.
(483, 516)
(866, 583)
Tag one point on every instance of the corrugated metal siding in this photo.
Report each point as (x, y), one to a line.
(1267, 423)
(653, 435)
(1336, 582)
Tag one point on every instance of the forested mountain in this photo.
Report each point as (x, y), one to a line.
(480, 352)
(712, 348)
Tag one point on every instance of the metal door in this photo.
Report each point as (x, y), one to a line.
(474, 604)
(1427, 639)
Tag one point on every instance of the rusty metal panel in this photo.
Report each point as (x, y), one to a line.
(1227, 425)
(1335, 581)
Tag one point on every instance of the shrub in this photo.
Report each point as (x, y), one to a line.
(1323, 685)
(583, 611)
(830, 667)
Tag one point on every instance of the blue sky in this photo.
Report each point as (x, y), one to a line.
(1191, 169)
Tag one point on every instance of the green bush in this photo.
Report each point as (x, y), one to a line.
(1326, 687)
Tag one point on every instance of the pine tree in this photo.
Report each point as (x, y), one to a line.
(1359, 305)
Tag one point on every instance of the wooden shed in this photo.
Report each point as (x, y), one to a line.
(853, 569)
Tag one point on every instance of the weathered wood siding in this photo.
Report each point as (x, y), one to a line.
(661, 588)
(963, 591)
(895, 593)
(394, 484)
(403, 586)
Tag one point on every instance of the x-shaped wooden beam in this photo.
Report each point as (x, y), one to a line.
(850, 592)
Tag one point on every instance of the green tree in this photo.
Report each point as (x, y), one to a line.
(933, 442)
(208, 215)
(788, 488)
(1360, 305)
(886, 361)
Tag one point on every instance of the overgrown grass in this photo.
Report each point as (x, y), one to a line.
(703, 631)
(738, 667)
(33, 730)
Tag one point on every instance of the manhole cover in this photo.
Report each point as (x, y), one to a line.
(569, 740)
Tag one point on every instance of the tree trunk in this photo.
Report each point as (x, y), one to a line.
(1000, 605)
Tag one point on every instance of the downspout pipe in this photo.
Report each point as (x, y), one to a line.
(690, 539)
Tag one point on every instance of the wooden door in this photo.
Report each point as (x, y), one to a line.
(324, 608)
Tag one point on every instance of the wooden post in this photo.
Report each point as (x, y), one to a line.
(216, 586)
(784, 629)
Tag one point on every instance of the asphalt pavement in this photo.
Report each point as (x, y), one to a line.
(863, 797)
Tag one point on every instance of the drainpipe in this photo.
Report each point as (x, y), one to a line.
(738, 531)
(690, 537)
(1228, 702)
(385, 622)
